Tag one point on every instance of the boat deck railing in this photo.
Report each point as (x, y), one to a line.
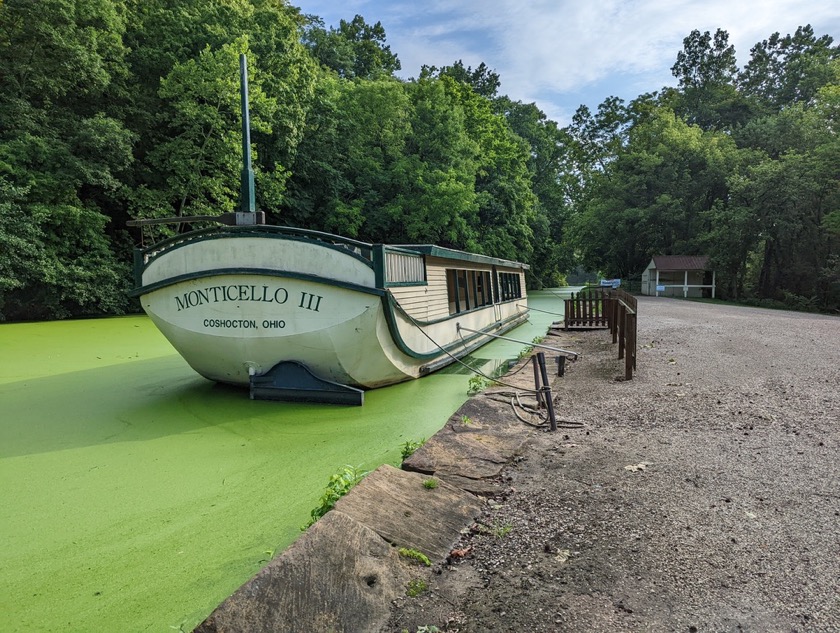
(362, 249)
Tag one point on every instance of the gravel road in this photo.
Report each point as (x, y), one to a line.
(703, 495)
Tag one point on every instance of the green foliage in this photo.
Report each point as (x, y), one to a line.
(203, 158)
(416, 587)
(430, 484)
(476, 384)
(415, 555)
(339, 485)
(355, 49)
(741, 166)
(524, 353)
(501, 530)
(789, 69)
(116, 110)
(409, 447)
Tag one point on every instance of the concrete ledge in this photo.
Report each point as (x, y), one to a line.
(476, 443)
(342, 575)
(338, 577)
(397, 506)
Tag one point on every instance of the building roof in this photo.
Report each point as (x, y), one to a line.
(681, 262)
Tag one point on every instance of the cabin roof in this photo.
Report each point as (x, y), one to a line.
(451, 253)
(681, 262)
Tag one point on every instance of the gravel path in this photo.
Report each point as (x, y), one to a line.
(703, 495)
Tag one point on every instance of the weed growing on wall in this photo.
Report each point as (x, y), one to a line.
(409, 447)
(339, 485)
(415, 555)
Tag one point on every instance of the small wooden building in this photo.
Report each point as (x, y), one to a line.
(679, 276)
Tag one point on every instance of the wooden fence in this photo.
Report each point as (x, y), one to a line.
(586, 310)
(614, 309)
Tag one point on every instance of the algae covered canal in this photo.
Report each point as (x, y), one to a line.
(137, 495)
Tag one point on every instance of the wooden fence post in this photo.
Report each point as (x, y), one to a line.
(630, 355)
(622, 326)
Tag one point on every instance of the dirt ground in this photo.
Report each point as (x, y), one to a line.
(703, 495)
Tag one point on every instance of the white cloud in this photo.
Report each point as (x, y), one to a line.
(545, 49)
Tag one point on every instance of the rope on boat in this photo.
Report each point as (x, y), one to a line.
(506, 338)
(478, 372)
(519, 305)
(515, 395)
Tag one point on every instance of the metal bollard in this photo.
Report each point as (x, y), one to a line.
(537, 382)
(546, 387)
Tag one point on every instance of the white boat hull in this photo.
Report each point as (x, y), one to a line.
(236, 306)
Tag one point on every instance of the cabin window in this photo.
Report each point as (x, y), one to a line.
(403, 268)
(468, 289)
(509, 286)
(483, 288)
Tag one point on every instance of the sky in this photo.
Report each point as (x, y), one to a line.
(561, 54)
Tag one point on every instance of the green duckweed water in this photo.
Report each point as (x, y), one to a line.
(136, 495)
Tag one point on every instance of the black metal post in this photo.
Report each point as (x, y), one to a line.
(547, 388)
(537, 382)
(247, 202)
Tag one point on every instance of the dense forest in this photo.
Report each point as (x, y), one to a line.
(112, 110)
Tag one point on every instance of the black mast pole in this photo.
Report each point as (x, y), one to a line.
(247, 202)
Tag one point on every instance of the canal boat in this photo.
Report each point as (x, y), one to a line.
(271, 307)
(297, 314)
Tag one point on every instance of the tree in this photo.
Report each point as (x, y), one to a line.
(61, 156)
(654, 197)
(598, 138)
(187, 156)
(790, 69)
(550, 166)
(355, 49)
(345, 176)
(482, 80)
(203, 157)
(707, 71)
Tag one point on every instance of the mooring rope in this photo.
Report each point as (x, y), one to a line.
(514, 397)
(459, 361)
(516, 401)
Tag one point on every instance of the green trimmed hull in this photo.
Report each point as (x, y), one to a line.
(234, 303)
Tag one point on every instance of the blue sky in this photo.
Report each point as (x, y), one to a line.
(564, 53)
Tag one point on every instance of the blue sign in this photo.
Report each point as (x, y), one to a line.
(610, 283)
(660, 289)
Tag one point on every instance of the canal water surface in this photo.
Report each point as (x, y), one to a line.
(137, 495)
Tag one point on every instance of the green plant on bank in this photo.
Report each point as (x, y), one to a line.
(410, 446)
(415, 587)
(339, 485)
(466, 420)
(526, 351)
(477, 384)
(501, 530)
(426, 628)
(430, 484)
(269, 554)
(415, 555)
